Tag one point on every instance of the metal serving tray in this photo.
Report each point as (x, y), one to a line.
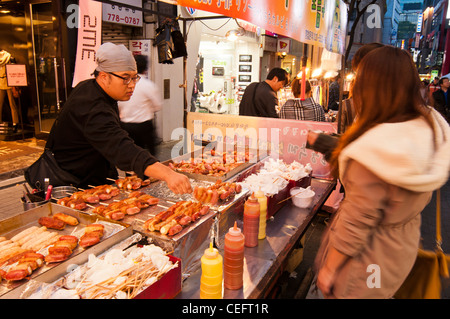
(190, 243)
(225, 177)
(114, 233)
(187, 243)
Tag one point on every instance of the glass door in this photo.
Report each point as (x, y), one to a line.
(49, 68)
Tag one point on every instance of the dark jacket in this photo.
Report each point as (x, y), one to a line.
(261, 102)
(440, 105)
(87, 139)
(333, 96)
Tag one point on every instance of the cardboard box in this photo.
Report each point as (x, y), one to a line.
(167, 287)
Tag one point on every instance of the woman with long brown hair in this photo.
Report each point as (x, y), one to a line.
(389, 161)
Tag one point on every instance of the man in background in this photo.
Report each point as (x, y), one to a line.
(260, 98)
(434, 85)
(333, 94)
(137, 115)
(441, 100)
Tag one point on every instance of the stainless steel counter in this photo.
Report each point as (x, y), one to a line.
(264, 263)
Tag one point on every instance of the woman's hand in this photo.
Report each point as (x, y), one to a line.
(325, 281)
(326, 278)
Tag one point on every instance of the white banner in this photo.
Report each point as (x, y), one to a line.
(123, 15)
(89, 39)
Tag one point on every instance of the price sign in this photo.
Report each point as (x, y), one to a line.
(16, 75)
(122, 14)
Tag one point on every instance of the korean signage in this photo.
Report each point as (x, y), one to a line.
(317, 22)
(89, 39)
(140, 47)
(419, 23)
(123, 15)
(283, 139)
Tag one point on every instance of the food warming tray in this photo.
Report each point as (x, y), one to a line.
(232, 173)
(184, 245)
(114, 233)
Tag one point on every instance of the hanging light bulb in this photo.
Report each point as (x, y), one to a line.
(350, 76)
(316, 73)
(299, 75)
(232, 35)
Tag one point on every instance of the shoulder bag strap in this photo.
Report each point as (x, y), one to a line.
(442, 257)
(438, 219)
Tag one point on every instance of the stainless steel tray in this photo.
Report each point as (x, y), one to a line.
(225, 177)
(187, 244)
(114, 233)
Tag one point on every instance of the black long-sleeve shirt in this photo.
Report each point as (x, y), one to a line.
(333, 96)
(87, 139)
(259, 100)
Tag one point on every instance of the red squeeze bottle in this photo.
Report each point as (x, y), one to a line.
(251, 221)
(233, 262)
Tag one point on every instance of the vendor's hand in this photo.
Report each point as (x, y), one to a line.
(325, 282)
(178, 183)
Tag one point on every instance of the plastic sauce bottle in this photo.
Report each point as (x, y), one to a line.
(233, 264)
(251, 221)
(262, 199)
(212, 274)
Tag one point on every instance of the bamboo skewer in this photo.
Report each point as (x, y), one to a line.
(137, 276)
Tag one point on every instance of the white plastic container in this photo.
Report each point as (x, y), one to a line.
(303, 196)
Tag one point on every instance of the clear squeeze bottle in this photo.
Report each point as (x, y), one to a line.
(212, 274)
(251, 221)
(233, 264)
(262, 199)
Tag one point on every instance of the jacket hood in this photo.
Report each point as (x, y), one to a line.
(403, 154)
(4, 57)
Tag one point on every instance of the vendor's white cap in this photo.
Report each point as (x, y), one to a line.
(115, 58)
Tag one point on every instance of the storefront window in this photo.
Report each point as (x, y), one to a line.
(224, 69)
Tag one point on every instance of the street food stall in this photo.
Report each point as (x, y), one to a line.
(130, 213)
(147, 241)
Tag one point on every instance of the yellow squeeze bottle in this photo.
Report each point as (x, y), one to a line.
(212, 274)
(262, 199)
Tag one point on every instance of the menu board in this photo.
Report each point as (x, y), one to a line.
(280, 138)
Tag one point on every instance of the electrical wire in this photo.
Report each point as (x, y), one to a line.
(199, 20)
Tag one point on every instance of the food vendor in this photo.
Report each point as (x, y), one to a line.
(87, 139)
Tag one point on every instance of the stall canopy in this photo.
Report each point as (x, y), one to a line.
(317, 22)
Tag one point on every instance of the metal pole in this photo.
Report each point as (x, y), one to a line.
(185, 146)
(304, 62)
(185, 78)
(341, 93)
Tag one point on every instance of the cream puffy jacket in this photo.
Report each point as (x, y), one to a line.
(389, 174)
